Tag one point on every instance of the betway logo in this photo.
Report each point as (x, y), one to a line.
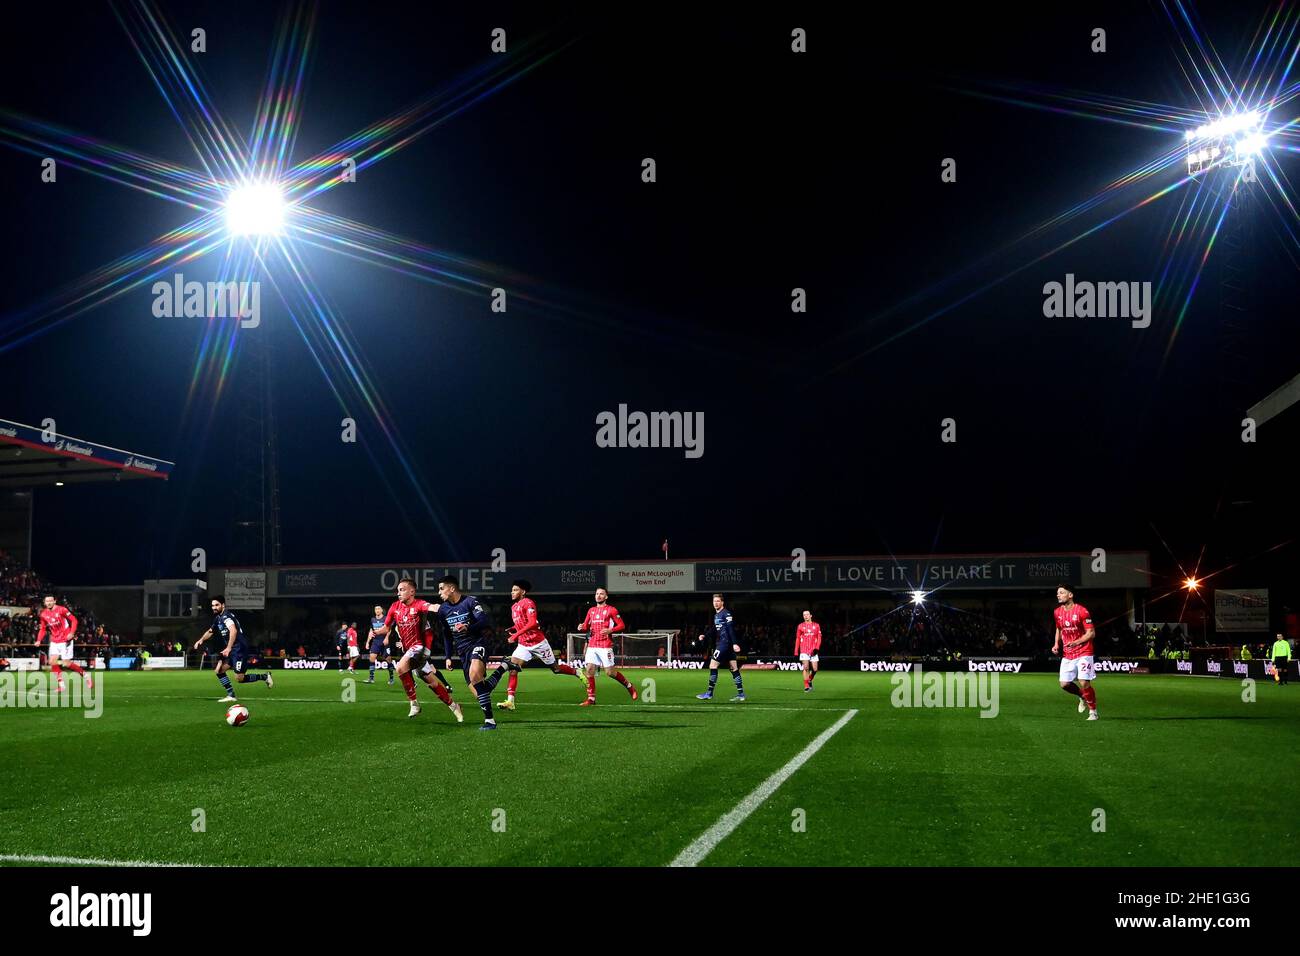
(680, 665)
(884, 665)
(1116, 667)
(103, 909)
(781, 665)
(1239, 667)
(1214, 667)
(1184, 666)
(302, 665)
(1011, 667)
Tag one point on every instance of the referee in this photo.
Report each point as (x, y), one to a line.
(1281, 658)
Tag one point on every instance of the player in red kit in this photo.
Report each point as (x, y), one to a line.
(532, 643)
(602, 621)
(415, 632)
(63, 632)
(353, 650)
(807, 642)
(1074, 634)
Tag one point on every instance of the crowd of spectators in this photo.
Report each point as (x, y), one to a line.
(21, 587)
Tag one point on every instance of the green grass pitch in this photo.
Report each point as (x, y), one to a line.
(1185, 771)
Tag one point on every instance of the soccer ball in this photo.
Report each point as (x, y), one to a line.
(237, 715)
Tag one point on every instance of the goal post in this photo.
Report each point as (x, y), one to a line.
(632, 647)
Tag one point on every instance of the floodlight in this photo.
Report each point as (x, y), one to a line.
(255, 209)
(1232, 140)
(918, 597)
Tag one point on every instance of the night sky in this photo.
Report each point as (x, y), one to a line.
(775, 170)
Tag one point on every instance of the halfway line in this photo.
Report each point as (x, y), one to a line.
(715, 834)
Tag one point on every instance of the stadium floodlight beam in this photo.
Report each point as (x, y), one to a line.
(918, 597)
(1191, 584)
(1232, 140)
(255, 209)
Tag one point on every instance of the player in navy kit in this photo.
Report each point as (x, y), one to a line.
(379, 645)
(726, 651)
(235, 652)
(470, 629)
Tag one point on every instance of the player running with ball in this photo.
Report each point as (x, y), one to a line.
(532, 643)
(602, 621)
(234, 656)
(471, 630)
(1074, 634)
(407, 614)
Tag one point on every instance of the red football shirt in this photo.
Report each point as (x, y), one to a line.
(1074, 622)
(807, 637)
(412, 627)
(528, 631)
(352, 637)
(60, 621)
(602, 621)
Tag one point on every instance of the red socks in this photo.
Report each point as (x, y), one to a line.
(408, 685)
(513, 683)
(57, 671)
(1089, 697)
(591, 686)
(74, 667)
(436, 686)
(561, 669)
(618, 676)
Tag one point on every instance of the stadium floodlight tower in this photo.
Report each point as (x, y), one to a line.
(1233, 140)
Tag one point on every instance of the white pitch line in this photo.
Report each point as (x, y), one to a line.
(619, 708)
(84, 861)
(710, 838)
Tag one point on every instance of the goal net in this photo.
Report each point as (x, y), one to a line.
(631, 647)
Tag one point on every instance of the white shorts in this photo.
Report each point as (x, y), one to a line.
(808, 657)
(600, 656)
(354, 652)
(63, 650)
(541, 651)
(1081, 667)
(417, 655)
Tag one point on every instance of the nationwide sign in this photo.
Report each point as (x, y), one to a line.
(979, 572)
(63, 445)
